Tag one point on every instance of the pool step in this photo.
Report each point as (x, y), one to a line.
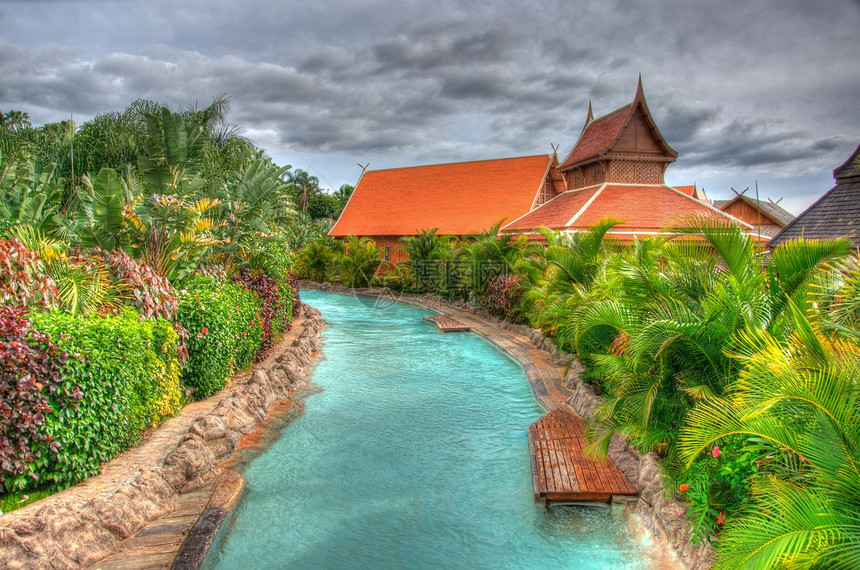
(560, 472)
(448, 324)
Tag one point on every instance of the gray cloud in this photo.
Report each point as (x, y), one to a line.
(740, 89)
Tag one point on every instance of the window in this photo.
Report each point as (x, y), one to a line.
(387, 253)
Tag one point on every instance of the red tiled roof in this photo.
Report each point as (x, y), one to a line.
(458, 198)
(598, 136)
(556, 213)
(688, 190)
(645, 209)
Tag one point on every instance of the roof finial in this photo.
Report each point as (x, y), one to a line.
(590, 116)
(640, 93)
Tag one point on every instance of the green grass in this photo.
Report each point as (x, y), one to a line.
(14, 501)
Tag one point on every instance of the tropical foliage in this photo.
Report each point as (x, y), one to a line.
(104, 231)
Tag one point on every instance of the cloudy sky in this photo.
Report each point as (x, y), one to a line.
(744, 90)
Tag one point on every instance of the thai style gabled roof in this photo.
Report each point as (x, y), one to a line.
(836, 214)
(599, 136)
(457, 198)
(774, 212)
(645, 209)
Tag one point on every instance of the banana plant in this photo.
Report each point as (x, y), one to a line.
(99, 220)
(29, 192)
(173, 155)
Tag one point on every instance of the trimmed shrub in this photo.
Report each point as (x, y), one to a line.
(127, 371)
(225, 332)
(295, 299)
(276, 309)
(30, 372)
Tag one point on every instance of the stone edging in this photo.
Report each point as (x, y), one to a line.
(82, 525)
(664, 517)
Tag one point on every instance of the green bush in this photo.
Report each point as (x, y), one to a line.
(399, 278)
(127, 369)
(225, 332)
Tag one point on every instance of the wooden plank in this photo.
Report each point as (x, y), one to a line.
(448, 324)
(196, 545)
(561, 472)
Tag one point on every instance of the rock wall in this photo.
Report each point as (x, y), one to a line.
(76, 533)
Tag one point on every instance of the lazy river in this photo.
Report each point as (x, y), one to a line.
(414, 455)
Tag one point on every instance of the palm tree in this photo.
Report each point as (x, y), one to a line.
(305, 186)
(800, 396)
(429, 257)
(492, 254)
(673, 314)
(255, 210)
(360, 261)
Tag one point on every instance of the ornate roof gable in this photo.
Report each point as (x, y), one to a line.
(628, 132)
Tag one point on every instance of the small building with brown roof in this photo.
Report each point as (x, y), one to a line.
(615, 169)
(836, 214)
(768, 218)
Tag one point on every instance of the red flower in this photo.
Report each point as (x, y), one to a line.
(721, 519)
(205, 330)
(716, 451)
(684, 487)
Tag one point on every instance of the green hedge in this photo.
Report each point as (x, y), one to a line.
(224, 332)
(128, 371)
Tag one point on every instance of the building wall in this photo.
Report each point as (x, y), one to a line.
(391, 245)
(746, 213)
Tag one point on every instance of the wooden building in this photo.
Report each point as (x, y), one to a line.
(836, 214)
(458, 199)
(767, 218)
(615, 169)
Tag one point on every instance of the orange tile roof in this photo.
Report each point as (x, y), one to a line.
(556, 213)
(597, 137)
(645, 209)
(458, 198)
(688, 190)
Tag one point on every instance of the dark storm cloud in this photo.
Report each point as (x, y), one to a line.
(736, 87)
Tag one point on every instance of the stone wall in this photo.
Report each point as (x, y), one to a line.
(78, 527)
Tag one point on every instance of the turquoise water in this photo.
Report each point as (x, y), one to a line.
(414, 455)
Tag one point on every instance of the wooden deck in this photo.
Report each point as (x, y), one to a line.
(448, 324)
(559, 470)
